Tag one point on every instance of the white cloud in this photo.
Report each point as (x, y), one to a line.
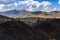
(29, 5)
(7, 1)
(28, 0)
(1, 6)
(59, 2)
(54, 9)
(46, 3)
(35, 5)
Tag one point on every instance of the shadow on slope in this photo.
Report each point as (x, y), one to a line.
(17, 30)
(14, 30)
(51, 27)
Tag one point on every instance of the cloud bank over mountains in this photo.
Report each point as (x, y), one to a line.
(29, 5)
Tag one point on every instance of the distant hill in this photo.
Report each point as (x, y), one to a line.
(11, 13)
(14, 13)
(53, 14)
(25, 14)
(36, 12)
(4, 18)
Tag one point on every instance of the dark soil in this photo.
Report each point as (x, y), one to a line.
(18, 30)
(50, 26)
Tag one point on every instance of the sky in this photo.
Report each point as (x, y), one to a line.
(30, 5)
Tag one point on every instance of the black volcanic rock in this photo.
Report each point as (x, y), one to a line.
(17, 30)
(50, 26)
(13, 31)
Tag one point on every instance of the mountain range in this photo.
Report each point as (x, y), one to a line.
(25, 14)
